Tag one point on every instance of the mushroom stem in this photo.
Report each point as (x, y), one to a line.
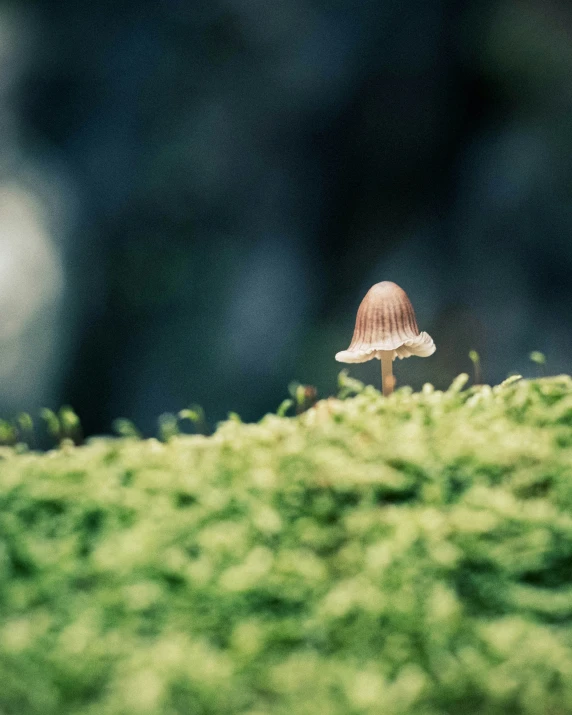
(387, 378)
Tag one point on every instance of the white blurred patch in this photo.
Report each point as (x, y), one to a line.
(31, 290)
(35, 213)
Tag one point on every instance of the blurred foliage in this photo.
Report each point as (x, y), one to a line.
(369, 556)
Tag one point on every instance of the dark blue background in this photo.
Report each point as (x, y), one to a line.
(195, 196)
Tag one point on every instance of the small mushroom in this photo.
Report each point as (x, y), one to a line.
(385, 329)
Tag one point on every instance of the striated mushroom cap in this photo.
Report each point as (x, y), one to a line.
(386, 322)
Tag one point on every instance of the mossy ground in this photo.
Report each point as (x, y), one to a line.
(402, 555)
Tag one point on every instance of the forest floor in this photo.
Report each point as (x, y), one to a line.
(372, 555)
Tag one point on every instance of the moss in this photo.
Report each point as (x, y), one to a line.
(401, 555)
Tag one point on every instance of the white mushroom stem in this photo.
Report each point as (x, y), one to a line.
(387, 378)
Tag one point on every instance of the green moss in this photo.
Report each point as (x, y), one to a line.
(392, 556)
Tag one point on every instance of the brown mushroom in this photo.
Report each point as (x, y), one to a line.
(385, 329)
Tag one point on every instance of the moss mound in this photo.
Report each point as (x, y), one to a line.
(402, 555)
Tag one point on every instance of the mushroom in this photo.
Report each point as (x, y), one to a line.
(385, 329)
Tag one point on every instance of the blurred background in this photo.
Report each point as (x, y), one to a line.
(195, 196)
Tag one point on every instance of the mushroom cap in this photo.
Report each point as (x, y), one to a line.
(386, 322)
